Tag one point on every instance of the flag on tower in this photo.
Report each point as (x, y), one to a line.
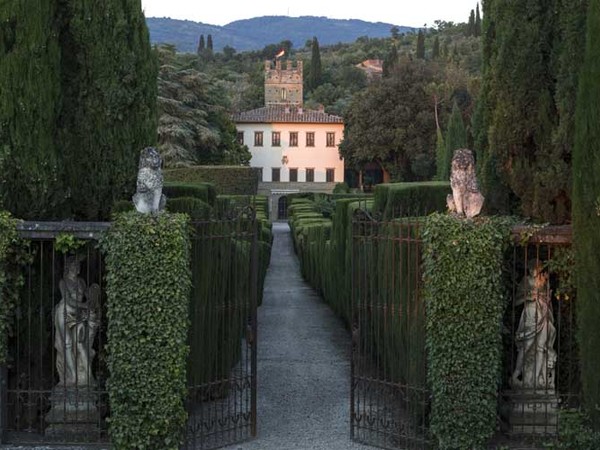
(280, 54)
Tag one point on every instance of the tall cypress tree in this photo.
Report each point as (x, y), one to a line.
(456, 137)
(477, 25)
(586, 214)
(209, 43)
(109, 90)
(435, 52)
(519, 103)
(201, 45)
(30, 184)
(421, 45)
(471, 24)
(315, 74)
(390, 62)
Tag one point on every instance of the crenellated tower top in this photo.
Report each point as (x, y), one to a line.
(283, 86)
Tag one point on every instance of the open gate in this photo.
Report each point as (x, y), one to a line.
(222, 364)
(389, 394)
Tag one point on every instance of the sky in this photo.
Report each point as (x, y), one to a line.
(414, 13)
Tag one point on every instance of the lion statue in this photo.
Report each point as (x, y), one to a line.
(149, 198)
(466, 200)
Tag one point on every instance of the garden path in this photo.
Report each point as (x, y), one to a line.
(303, 363)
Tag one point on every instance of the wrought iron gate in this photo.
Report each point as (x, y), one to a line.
(389, 395)
(222, 365)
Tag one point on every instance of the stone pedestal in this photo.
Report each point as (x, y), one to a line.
(74, 414)
(533, 412)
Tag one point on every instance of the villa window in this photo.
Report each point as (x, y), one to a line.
(258, 138)
(293, 139)
(310, 139)
(329, 175)
(310, 175)
(240, 137)
(293, 175)
(330, 139)
(275, 174)
(276, 139)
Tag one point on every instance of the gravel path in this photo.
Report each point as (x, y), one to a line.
(303, 363)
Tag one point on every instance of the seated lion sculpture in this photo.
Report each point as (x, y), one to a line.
(149, 198)
(466, 200)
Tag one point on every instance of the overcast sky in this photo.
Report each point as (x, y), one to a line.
(413, 13)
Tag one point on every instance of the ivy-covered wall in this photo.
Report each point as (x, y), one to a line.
(465, 303)
(148, 288)
(234, 180)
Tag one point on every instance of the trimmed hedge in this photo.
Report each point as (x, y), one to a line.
(465, 301)
(203, 191)
(586, 216)
(193, 207)
(233, 180)
(148, 286)
(411, 199)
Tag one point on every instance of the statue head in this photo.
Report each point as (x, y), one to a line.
(463, 160)
(72, 265)
(150, 158)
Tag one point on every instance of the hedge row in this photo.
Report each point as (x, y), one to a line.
(410, 199)
(233, 180)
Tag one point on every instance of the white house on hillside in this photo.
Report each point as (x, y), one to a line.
(296, 148)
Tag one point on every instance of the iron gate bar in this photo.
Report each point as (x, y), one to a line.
(388, 409)
(222, 402)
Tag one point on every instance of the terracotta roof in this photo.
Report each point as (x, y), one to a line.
(285, 114)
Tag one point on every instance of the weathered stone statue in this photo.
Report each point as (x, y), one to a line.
(466, 200)
(535, 335)
(149, 198)
(76, 323)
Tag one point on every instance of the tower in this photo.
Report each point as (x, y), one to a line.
(283, 86)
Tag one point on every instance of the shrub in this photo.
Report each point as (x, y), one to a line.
(203, 191)
(147, 286)
(465, 303)
(233, 180)
(410, 199)
(193, 207)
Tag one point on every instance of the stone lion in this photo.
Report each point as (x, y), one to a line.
(149, 198)
(466, 200)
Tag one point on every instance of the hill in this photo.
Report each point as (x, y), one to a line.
(256, 33)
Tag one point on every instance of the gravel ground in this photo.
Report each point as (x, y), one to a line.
(303, 364)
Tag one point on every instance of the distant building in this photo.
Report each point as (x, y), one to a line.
(296, 148)
(372, 67)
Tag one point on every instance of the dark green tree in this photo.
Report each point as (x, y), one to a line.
(390, 63)
(456, 137)
(435, 52)
(109, 102)
(209, 43)
(586, 214)
(201, 45)
(421, 45)
(315, 74)
(30, 164)
(194, 127)
(477, 25)
(392, 123)
(527, 93)
(470, 30)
